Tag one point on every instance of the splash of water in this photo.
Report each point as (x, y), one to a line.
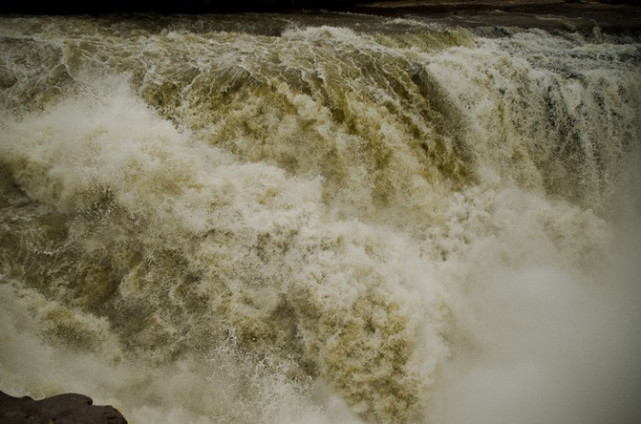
(327, 222)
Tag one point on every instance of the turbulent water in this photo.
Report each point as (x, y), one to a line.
(330, 219)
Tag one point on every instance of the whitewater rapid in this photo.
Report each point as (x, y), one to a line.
(320, 219)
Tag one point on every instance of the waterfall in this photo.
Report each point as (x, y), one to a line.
(320, 219)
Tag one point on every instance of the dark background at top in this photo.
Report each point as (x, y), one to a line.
(228, 6)
(166, 6)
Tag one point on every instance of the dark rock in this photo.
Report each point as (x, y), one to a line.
(99, 7)
(69, 408)
(64, 7)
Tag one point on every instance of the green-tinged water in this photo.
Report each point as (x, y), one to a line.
(320, 219)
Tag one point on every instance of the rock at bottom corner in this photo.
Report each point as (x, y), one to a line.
(69, 408)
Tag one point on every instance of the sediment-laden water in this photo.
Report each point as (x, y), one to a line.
(321, 219)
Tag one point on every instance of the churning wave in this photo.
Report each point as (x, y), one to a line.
(264, 218)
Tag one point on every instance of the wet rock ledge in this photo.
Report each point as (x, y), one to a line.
(69, 408)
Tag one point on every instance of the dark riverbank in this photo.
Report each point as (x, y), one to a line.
(383, 7)
(174, 6)
(609, 15)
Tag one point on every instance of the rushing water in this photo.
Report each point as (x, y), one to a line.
(330, 219)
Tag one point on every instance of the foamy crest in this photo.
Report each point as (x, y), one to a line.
(183, 249)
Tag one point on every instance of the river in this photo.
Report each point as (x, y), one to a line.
(331, 218)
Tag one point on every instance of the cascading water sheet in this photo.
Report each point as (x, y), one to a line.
(320, 219)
